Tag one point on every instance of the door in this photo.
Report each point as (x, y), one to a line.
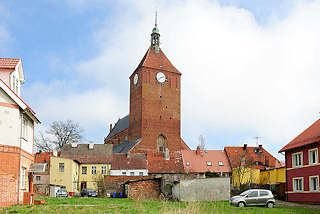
(263, 197)
(83, 185)
(252, 198)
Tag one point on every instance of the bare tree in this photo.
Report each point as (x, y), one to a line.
(242, 169)
(59, 133)
(202, 142)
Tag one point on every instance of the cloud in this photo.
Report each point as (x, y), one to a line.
(238, 76)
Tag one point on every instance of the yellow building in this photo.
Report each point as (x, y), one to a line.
(75, 176)
(91, 174)
(273, 176)
(245, 175)
(64, 172)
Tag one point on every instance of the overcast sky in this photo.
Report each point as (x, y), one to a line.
(249, 68)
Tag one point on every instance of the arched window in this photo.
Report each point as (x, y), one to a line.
(161, 143)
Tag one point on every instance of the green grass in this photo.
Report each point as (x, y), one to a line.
(102, 205)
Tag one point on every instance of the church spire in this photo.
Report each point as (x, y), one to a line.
(155, 36)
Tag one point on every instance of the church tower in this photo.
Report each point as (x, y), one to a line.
(155, 102)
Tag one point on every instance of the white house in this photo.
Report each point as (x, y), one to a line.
(17, 122)
(125, 165)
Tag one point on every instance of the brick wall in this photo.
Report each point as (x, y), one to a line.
(147, 189)
(9, 174)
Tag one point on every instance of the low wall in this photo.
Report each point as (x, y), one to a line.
(209, 189)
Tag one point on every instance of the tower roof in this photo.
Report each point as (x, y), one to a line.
(155, 60)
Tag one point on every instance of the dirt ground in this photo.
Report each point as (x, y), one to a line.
(291, 204)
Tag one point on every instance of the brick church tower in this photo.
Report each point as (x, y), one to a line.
(154, 119)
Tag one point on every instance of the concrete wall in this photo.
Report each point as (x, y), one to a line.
(210, 189)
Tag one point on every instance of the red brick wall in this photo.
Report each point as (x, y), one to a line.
(9, 173)
(149, 189)
(155, 110)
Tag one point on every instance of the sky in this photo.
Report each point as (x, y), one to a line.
(249, 68)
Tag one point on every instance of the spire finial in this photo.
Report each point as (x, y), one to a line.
(156, 19)
(155, 36)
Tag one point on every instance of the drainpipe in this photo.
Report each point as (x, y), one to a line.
(20, 153)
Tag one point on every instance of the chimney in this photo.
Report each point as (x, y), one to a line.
(55, 153)
(198, 150)
(244, 146)
(91, 144)
(74, 145)
(260, 148)
(110, 127)
(166, 154)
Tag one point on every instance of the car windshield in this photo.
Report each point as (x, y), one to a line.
(245, 193)
(90, 190)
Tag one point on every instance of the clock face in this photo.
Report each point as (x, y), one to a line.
(135, 79)
(161, 77)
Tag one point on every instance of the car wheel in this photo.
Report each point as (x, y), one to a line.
(270, 205)
(241, 204)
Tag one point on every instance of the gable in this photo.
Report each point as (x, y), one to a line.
(4, 98)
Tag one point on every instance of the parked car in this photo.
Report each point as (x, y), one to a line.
(254, 197)
(89, 192)
(62, 193)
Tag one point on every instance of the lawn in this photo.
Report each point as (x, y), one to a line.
(102, 205)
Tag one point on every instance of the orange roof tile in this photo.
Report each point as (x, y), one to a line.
(122, 161)
(157, 163)
(198, 161)
(157, 60)
(9, 63)
(255, 154)
(308, 136)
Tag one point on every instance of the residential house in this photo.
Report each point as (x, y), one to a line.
(246, 163)
(17, 122)
(199, 162)
(302, 166)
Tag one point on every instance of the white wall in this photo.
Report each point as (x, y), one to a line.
(135, 171)
(10, 125)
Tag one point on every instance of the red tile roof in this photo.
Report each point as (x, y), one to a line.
(122, 161)
(157, 60)
(9, 63)
(254, 154)
(157, 163)
(198, 161)
(308, 136)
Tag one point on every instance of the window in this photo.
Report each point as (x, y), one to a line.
(220, 163)
(313, 156)
(23, 178)
(131, 173)
(13, 83)
(61, 167)
(314, 183)
(124, 173)
(188, 163)
(24, 133)
(94, 170)
(161, 143)
(297, 159)
(84, 170)
(103, 170)
(141, 173)
(17, 87)
(298, 184)
(253, 194)
(37, 178)
(209, 163)
(264, 193)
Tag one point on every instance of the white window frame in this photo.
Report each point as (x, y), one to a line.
(124, 173)
(209, 163)
(294, 184)
(24, 133)
(93, 170)
(84, 172)
(220, 163)
(310, 184)
(132, 173)
(38, 176)
(187, 163)
(309, 156)
(23, 178)
(104, 170)
(294, 160)
(140, 173)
